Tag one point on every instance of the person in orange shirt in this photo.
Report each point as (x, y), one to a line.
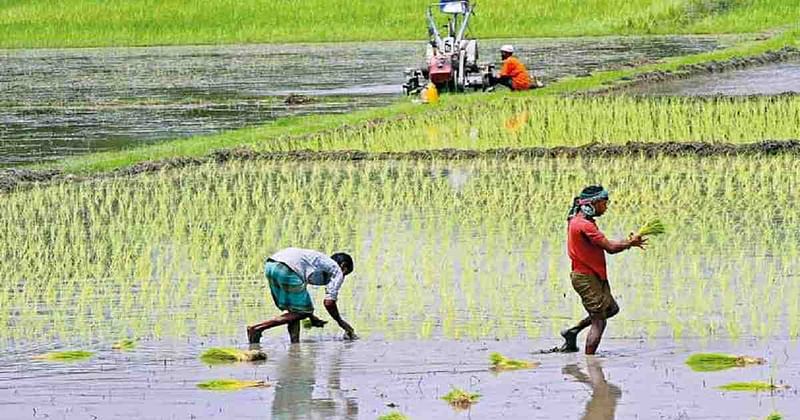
(513, 74)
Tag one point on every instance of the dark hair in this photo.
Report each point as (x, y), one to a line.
(343, 259)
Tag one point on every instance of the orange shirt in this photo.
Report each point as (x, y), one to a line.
(514, 69)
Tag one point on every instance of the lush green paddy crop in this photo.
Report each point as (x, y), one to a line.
(455, 249)
(80, 23)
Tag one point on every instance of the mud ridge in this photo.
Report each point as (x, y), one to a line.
(13, 179)
(736, 63)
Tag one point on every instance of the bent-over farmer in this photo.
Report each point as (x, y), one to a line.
(587, 248)
(288, 272)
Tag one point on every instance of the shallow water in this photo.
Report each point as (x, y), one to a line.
(327, 379)
(55, 103)
(771, 79)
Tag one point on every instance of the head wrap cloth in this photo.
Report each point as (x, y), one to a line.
(585, 203)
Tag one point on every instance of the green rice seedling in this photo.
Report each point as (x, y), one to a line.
(653, 227)
(394, 415)
(222, 355)
(65, 356)
(231, 385)
(461, 399)
(712, 362)
(754, 386)
(501, 363)
(124, 345)
(775, 416)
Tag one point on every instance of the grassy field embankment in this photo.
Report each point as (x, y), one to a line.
(83, 23)
(496, 111)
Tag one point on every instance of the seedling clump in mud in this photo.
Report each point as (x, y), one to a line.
(219, 355)
(712, 362)
(230, 385)
(500, 363)
(461, 399)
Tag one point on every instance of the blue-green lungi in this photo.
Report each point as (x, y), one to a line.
(288, 288)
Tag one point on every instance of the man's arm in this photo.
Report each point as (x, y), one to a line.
(333, 310)
(613, 247)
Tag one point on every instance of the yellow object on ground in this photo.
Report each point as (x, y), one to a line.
(430, 95)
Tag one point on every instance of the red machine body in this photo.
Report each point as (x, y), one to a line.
(440, 69)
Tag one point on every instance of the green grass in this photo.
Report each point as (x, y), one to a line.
(222, 355)
(66, 356)
(712, 362)
(230, 385)
(80, 23)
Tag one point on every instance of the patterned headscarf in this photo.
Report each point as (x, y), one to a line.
(584, 203)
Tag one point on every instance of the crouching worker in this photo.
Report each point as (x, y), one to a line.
(587, 248)
(288, 272)
(513, 74)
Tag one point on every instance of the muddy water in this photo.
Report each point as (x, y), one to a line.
(327, 379)
(771, 79)
(55, 103)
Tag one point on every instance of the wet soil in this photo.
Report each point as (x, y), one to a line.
(331, 379)
(771, 79)
(55, 103)
(705, 76)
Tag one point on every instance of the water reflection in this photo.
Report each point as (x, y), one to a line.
(297, 384)
(605, 396)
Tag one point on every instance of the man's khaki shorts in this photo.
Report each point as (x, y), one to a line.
(595, 295)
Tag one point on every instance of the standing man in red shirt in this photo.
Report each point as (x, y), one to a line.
(587, 248)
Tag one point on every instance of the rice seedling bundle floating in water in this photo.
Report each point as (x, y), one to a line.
(775, 416)
(755, 386)
(221, 355)
(230, 385)
(501, 363)
(124, 345)
(712, 362)
(653, 227)
(394, 415)
(65, 356)
(459, 398)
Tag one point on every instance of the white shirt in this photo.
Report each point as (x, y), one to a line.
(314, 268)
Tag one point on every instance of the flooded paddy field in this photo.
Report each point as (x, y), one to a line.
(55, 103)
(175, 260)
(772, 79)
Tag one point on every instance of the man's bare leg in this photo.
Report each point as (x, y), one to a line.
(294, 331)
(595, 334)
(571, 335)
(254, 331)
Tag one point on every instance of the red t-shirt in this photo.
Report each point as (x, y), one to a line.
(583, 246)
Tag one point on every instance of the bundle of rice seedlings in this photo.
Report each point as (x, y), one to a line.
(500, 363)
(220, 355)
(712, 362)
(775, 416)
(124, 345)
(394, 415)
(653, 227)
(755, 386)
(230, 385)
(459, 398)
(65, 356)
